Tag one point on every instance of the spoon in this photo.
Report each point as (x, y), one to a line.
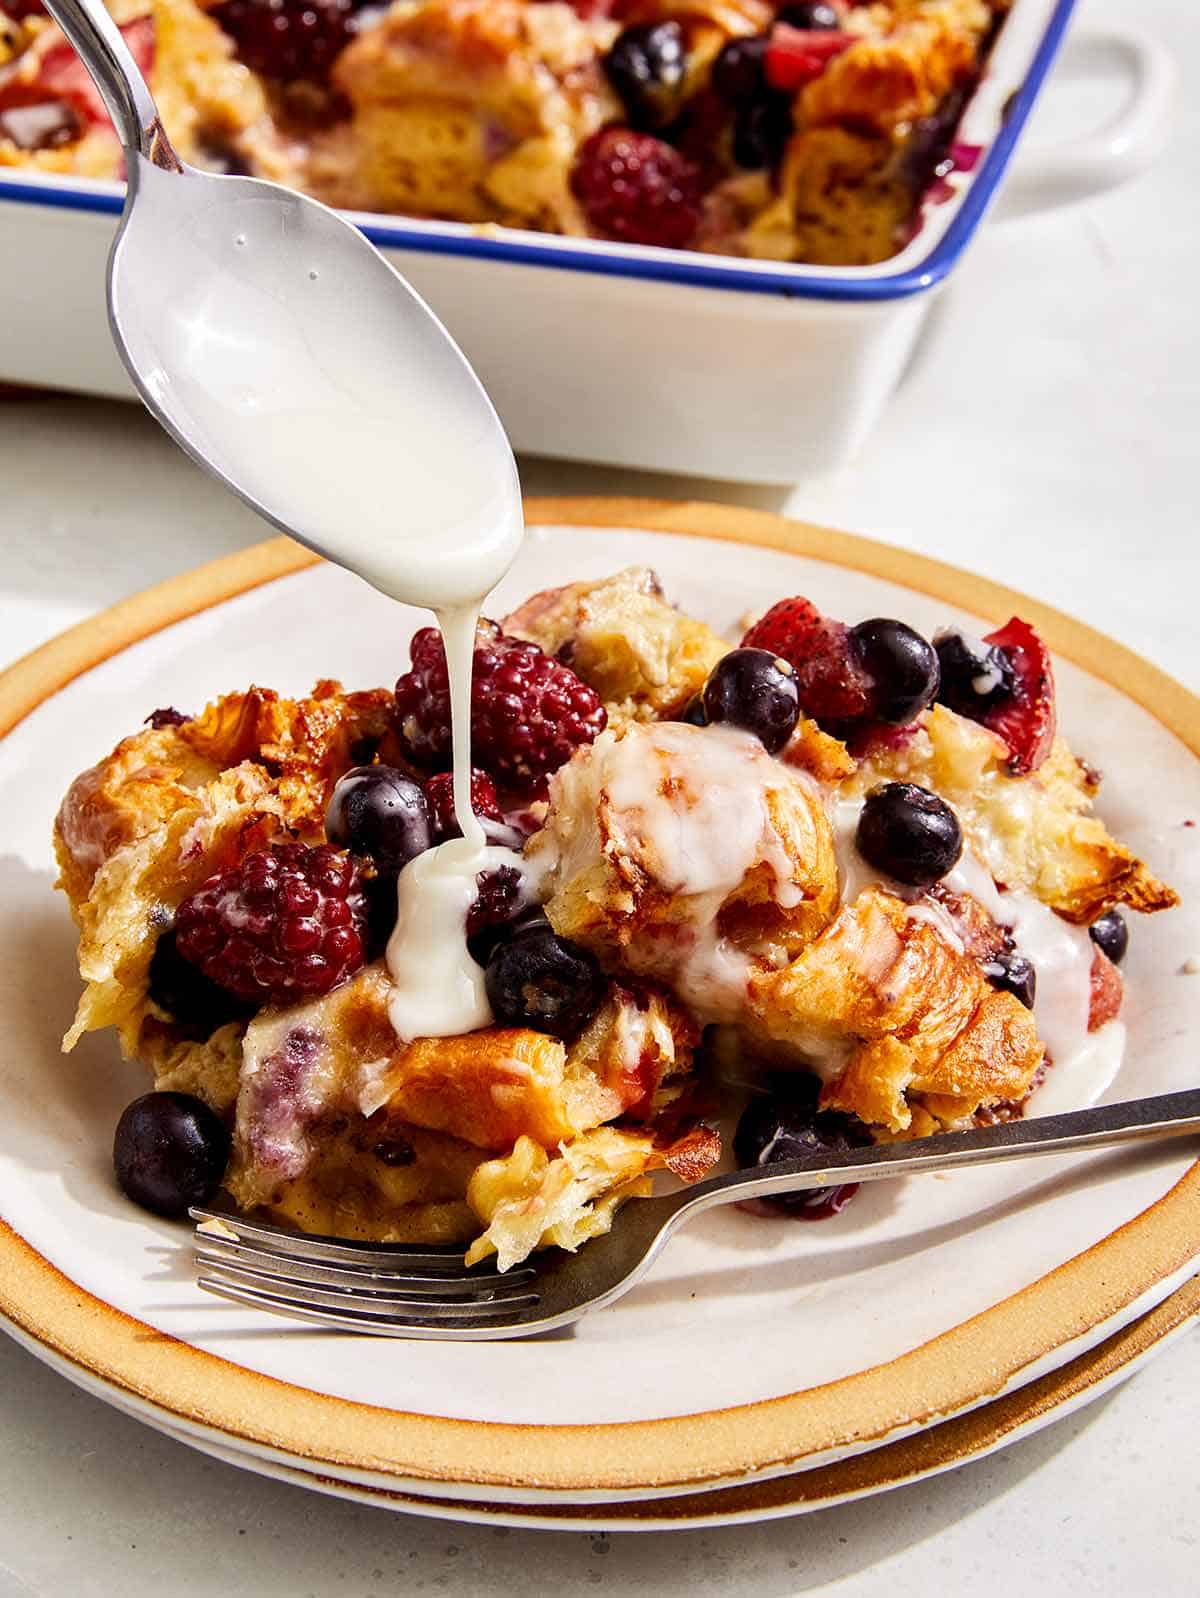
(279, 349)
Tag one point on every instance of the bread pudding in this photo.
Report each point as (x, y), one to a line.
(828, 885)
(787, 132)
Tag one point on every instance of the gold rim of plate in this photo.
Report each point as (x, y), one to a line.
(965, 1367)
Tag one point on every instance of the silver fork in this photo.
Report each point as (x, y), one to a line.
(398, 1291)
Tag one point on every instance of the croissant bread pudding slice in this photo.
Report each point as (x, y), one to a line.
(848, 874)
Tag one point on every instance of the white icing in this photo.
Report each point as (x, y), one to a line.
(437, 987)
(1062, 957)
(1082, 1077)
(704, 821)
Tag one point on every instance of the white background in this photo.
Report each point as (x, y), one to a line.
(1047, 436)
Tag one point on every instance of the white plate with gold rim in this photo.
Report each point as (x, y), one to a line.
(757, 1348)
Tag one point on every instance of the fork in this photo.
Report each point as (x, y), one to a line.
(402, 1291)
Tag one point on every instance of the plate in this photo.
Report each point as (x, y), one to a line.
(922, 1301)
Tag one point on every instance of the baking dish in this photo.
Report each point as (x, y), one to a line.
(751, 370)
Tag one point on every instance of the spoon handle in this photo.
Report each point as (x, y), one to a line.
(99, 45)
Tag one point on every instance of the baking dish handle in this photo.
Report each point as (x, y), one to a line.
(1057, 173)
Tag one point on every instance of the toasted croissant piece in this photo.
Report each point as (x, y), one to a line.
(885, 1005)
(1036, 832)
(642, 656)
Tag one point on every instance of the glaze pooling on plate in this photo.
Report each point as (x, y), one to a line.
(991, 1236)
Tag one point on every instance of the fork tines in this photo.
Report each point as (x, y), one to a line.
(388, 1290)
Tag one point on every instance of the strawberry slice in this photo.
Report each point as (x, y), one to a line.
(834, 688)
(63, 76)
(795, 56)
(1026, 718)
(1107, 991)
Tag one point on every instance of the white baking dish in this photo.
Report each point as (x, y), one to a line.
(642, 357)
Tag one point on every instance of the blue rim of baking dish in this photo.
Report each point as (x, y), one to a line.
(681, 267)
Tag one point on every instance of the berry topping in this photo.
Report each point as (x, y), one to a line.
(379, 812)
(1111, 935)
(737, 73)
(833, 685)
(167, 717)
(1025, 719)
(1106, 991)
(647, 66)
(815, 14)
(761, 130)
(169, 1152)
(909, 833)
(635, 188)
(529, 712)
(754, 689)
(785, 1124)
(439, 792)
(1013, 973)
(795, 56)
(284, 925)
(18, 10)
(500, 904)
(61, 75)
(540, 980)
(975, 677)
(694, 713)
(902, 665)
(186, 994)
(288, 39)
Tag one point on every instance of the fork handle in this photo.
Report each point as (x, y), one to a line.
(1136, 1120)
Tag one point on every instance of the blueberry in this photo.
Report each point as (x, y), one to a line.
(1013, 973)
(192, 1000)
(756, 690)
(909, 833)
(540, 980)
(694, 714)
(785, 1124)
(1111, 935)
(975, 677)
(647, 66)
(169, 1152)
(761, 129)
(812, 15)
(903, 664)
(378, 811)
(738, 73)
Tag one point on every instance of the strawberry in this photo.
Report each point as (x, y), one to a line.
(1025, 718)
(833, 686)
(62, 76)
(1107, 991)
(795, 56)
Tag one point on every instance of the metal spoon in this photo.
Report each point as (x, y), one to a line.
(290, 360)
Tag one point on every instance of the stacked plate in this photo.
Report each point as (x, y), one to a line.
(765, 1367)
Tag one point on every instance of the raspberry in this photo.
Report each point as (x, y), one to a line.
(18, 10)
(284, 925)
(529, 712)
(1106, 991)
(834, 687)
(288, 39)
(439, 791)
(1025, 718)
(499, 901)
(635, 188)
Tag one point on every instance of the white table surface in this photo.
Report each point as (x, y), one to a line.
(1046, 435)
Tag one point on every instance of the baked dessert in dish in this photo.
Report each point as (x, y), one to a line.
(788, 132)
(828, 885)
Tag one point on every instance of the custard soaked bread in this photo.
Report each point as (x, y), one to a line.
(852, 873)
